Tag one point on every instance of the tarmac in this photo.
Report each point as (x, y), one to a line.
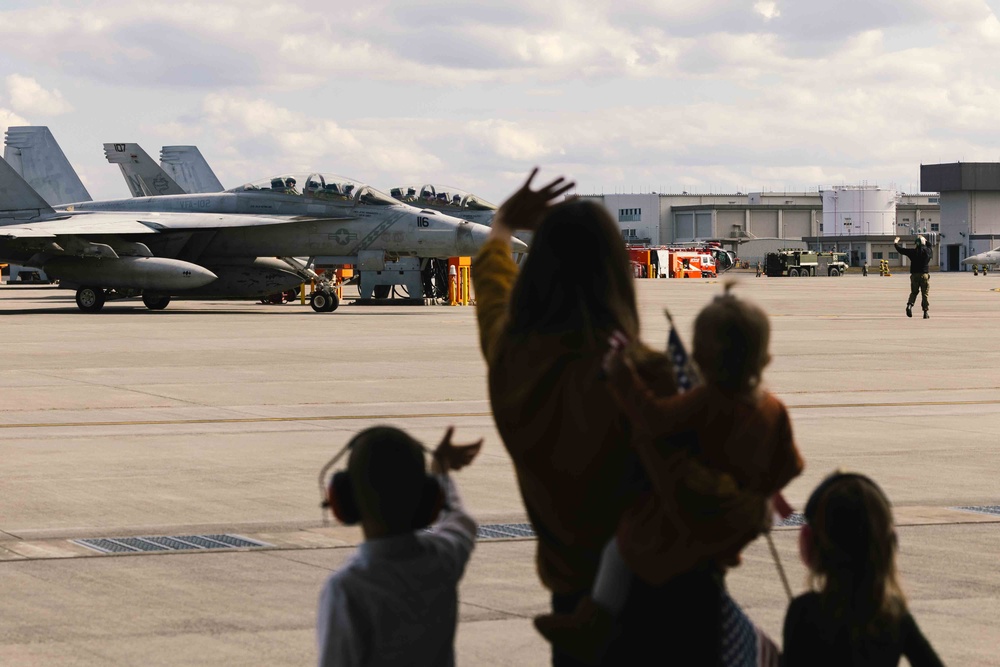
(215, 417)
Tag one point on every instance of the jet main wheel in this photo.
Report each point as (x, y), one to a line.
(90, 299)
(333, 304)
(324, 302)
(155, 302)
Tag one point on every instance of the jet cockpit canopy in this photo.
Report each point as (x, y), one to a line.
(322, 187)
(440, 196)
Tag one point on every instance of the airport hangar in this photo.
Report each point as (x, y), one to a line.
(959, 212)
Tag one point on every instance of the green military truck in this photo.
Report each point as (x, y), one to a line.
(796, 262)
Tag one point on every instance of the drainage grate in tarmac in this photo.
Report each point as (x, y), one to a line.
(120, 545)
(496, 531)
(794, 519)
(981, 509)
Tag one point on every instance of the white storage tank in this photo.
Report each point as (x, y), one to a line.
(859, 211)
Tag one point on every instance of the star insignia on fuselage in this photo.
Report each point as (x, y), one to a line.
(343, 236)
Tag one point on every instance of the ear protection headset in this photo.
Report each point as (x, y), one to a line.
(338, 493)
(806, 538)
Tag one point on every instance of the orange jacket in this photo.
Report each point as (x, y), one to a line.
(559, 422)
(746, 443)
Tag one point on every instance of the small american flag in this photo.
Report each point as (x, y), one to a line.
(684, 369)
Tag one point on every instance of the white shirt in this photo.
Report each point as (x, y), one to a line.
(395, 602)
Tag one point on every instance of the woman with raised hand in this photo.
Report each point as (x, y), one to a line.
(544, 332)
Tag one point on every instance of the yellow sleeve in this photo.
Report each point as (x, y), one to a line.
(493, 275)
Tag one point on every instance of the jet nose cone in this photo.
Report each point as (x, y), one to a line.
(471, 237)
(203, 276)
(970, 260)
(518, 246)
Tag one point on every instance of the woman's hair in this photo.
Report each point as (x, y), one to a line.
(731, 338)
(576, 279)
(852, 561)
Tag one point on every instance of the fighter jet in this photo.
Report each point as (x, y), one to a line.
(222, 244)
(448, 200)
(988, 257)
(452, 201)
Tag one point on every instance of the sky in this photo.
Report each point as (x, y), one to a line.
(710, 96)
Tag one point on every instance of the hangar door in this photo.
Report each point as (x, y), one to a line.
(703, 225)
(684, 226)
(953, 258)
(727, 221)
(764, 224)
(796, 224)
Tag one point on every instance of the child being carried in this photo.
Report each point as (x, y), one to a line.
(738, 429)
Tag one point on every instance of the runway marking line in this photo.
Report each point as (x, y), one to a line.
(904, 404)
(432, 415)
(246, 420)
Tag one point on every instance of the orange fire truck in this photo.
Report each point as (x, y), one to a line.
(693, 261)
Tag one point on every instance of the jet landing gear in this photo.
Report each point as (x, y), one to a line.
(155, 302)
(324, 301)
(90, 299)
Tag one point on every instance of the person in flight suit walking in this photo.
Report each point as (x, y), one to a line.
(920, 259)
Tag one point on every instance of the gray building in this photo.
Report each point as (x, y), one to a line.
(756, 223)
(970, 208)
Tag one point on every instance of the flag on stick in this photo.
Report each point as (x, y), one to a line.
(684, 369)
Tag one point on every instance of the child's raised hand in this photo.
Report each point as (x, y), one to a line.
(454, 457)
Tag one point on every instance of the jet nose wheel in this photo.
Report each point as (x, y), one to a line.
(324, 302)
(90, 299)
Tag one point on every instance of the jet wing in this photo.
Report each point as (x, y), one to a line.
(164, 222)
(121, 223)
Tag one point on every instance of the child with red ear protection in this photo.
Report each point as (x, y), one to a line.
(856, 613)
(396, 600)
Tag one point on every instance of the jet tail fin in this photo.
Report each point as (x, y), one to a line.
(18, 200)
(189, 168)
(144, 177)
(34, 154)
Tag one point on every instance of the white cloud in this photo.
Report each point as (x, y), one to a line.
(9, 118)
(721, 93)
(28, 96)
(258, 137)
(507, 140)
(291, 46)
(768, 10)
